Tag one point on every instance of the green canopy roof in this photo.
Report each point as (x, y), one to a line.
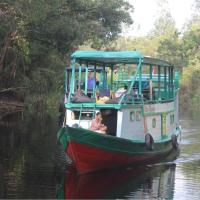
(114, 57)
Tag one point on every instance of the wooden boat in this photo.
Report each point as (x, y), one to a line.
(142, 124)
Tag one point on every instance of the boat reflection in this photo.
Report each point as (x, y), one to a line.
(156, 181)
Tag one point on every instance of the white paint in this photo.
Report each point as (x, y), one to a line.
(155, 132)
(119, 122)
(129, 129)
(86, 124)
(159, 107)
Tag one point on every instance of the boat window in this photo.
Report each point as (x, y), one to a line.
(132, 116)
(84, 115)
(172, 119)
(138, 115)
(154, 122)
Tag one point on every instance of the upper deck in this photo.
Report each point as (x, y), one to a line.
(95, 78)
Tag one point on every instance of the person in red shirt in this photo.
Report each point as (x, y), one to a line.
(97, 125)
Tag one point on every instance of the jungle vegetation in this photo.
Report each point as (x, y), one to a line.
(37, 37)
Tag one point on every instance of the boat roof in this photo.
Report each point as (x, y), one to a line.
(116, 57)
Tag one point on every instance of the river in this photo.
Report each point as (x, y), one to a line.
(32, 165)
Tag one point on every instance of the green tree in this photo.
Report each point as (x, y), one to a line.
(37, 37)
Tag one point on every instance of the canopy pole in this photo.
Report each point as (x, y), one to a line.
(140, 80)
(151, 83)
(111, 78)
(73, 77)
(86, 78)
(159, 69)
(165, 81)
(79, 76)
(104, 75)
(169, 83)
(95, 80)
(172, 82)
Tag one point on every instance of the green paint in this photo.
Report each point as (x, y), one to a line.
(165, 82)
(140, 80)
(73, 77)
(159, 97)
(115, 144)
(86, 79)
(79, 77)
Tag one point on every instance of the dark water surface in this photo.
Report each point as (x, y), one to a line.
(33, 166)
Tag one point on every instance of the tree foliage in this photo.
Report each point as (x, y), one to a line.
(37, 37)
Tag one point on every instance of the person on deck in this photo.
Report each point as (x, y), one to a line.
(91, 81)
(97, 125)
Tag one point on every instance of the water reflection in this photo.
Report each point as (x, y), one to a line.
(138, 183)
(27, 167)
(33, 166)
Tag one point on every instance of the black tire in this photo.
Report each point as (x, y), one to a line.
(149, 142)
(174, 141)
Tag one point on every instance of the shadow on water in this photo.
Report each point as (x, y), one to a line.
(27, 167)
(33, 166)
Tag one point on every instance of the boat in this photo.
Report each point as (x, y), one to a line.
(142, 122)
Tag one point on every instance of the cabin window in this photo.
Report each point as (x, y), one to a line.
(84, 115)
(154, 122)
(132, 116)
(172, 119)
(137, 115)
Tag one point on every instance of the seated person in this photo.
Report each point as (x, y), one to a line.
(121, 91)
(97, 125)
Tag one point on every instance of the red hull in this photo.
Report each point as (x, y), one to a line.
(88, 158)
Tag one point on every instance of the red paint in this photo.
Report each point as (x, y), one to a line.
(88, 158)
(96, 185)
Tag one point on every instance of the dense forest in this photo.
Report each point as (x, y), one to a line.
(37, 37)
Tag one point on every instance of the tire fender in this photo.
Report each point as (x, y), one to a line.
(149, 141)
(174, 141)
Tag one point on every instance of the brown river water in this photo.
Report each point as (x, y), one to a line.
(33, 166)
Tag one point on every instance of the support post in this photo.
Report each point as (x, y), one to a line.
(95, 80)
(169, 83)
(140, 80)
(159, 69)
(79, 76)
(172, 82)
(111, 78)
(165, 81)
(151, 83)
(86, 79)
(73, 77)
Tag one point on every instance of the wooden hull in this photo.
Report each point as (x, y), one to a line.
(91, 151)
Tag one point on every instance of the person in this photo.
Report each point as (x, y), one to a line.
(91, 81)
(121, 91)
(97, 124)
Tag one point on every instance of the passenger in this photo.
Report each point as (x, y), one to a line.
(91, 81)
(97, 124)
(121, 91)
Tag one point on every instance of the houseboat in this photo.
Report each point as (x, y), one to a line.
(121, 109)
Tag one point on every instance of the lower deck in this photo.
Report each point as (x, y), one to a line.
(130, 122)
